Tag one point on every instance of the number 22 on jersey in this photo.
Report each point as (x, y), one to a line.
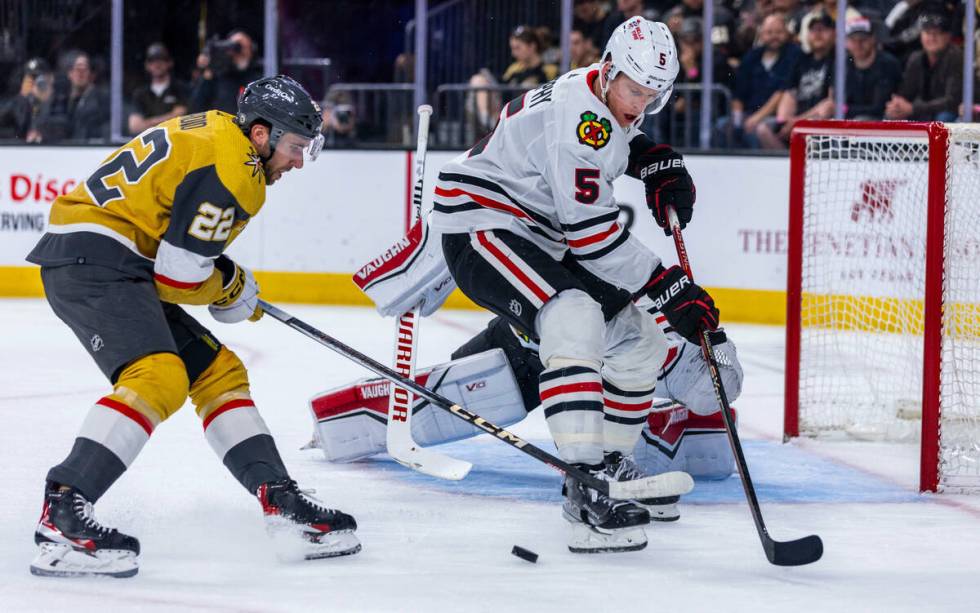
(132, 162)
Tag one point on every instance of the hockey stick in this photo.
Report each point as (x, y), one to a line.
(398, 435)
(781, 553)
(665, 484)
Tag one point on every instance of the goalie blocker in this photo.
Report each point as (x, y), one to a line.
(495, 375)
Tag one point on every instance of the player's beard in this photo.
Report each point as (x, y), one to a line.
(271, 176)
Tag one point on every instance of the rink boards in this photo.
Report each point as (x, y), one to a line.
(322, 223)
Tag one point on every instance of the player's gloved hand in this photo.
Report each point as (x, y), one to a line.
(239, 296)
(667, 183)
(685, 304)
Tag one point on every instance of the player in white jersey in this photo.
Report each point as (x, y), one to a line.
(531, 232)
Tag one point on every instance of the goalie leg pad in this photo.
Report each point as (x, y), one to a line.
(350, 421)
(521, 351)
(685, 377)
(678, 439)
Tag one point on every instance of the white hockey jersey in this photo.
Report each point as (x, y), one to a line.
(546, 174)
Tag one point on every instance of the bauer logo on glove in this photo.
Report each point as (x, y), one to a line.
(685, 304)
(665, 177)
(662, 165)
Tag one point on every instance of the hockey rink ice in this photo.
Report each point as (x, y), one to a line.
(431, 545)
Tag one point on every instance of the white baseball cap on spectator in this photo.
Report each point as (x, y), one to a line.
(858, 25)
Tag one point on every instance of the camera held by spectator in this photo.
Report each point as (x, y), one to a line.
(223, 54)
(226, 65)
(339, 120)
(20, 115)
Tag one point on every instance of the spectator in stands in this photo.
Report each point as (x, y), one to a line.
(163, 97)
(686, 110)
(226, 66)
(762, 75)
(582, 51)
(21, 115)
(527, 71)
(674, 18)
(82, 114)
(808, 94)
(627, 9)
(872, 74)
(976, 79)
(828, 7)
(339, 125)
(550, 47)
(904, 25)
(793, 11)
(589, 17)
(723, 30)
(932, 84)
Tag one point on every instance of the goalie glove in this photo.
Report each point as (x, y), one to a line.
(239, 295)
(665, 179)
(685, 304)
(412, 272)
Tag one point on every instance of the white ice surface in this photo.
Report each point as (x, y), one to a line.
(435, 546)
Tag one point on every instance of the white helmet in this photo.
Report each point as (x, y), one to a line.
(645, 52)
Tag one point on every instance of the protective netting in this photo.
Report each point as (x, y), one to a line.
(864, 245)
(959, 434)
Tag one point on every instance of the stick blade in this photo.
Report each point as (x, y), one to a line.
(806, 550)
(674, 483)
(431, 462)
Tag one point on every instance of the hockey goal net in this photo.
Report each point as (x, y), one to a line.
(883, 300)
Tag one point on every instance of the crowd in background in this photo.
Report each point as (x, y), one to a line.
(776, 58)
(70, 101)
(774, 61)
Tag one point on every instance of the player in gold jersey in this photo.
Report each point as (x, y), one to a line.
(144, 233)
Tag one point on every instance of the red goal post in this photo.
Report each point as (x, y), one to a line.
(883, 290)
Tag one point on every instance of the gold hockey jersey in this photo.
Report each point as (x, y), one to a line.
(162, 207)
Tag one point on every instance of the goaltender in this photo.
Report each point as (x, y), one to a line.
(144, 233)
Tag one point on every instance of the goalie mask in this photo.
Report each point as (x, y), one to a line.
(288, 108)
(645, 52)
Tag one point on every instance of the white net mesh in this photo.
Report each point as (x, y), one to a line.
(864, 243)
(959, 439)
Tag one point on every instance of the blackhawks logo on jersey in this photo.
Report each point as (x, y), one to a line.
(593, 131)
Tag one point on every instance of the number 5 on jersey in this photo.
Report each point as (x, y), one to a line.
(586, 186)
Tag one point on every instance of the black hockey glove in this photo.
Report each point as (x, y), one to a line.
(685, 304)
(667, 183)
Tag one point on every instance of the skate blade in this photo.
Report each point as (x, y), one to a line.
(333, 544)
(662, 512)
(586, 539)
(294, 544)
(57, 560)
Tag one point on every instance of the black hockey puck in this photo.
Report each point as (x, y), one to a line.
(524, 554)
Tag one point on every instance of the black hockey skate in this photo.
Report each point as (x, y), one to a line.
(74, 544)
(301, 527)
(601, 524)
(625, 468)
